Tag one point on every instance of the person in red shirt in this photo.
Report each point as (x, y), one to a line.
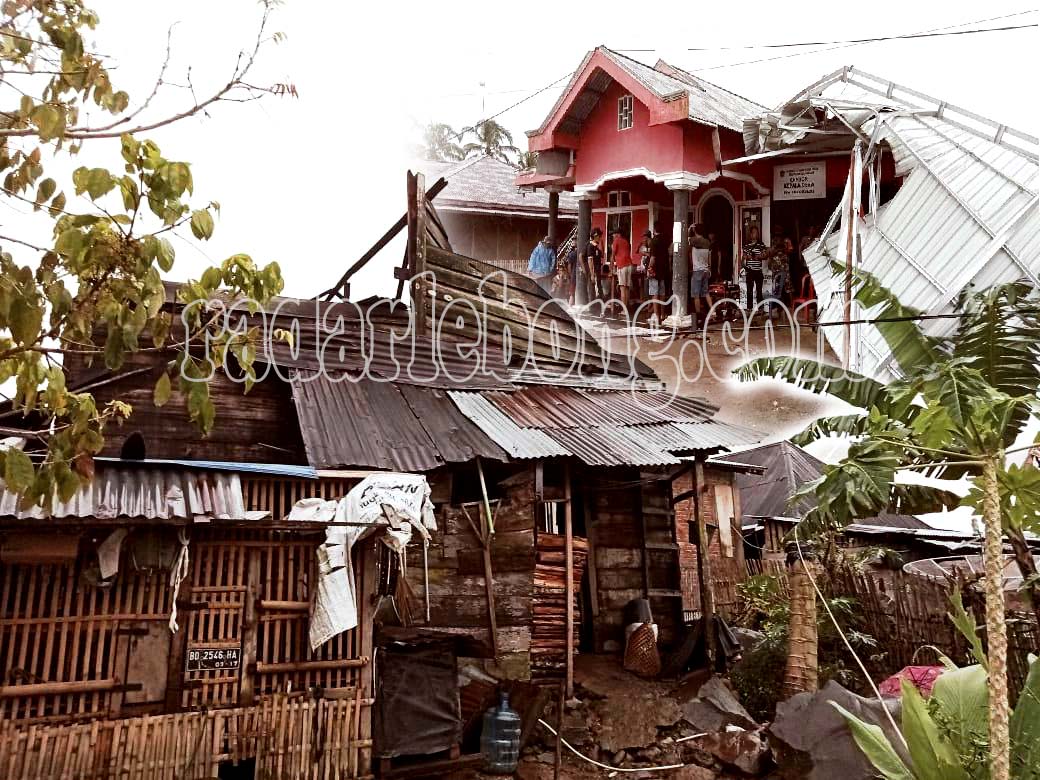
(621, 252)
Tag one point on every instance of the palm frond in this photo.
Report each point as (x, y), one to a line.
(815, 376)
(1000, 334)
(839, 425)
(912, 350)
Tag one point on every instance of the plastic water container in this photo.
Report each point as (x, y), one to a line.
(500, 738)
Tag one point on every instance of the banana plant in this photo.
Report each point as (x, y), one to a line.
(946, 736)
(961, 402)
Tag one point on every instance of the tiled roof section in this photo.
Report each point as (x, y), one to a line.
(376, 424)
(601, 428)
(485, 185)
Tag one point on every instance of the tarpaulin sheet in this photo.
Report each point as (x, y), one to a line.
(417, 708)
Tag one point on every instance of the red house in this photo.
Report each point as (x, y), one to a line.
(657, 147)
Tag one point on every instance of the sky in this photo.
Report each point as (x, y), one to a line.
(313, 181)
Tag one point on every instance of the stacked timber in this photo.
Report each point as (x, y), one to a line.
(549, 608)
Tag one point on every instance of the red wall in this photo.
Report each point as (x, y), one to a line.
(603, 148)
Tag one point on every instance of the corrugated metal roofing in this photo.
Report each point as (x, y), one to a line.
(382, 425)
(966, 213)
(143, 492)
(519, 442)
(600, 428)
(484, 184)
(274, 469)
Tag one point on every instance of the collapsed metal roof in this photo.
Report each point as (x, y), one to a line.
(965, 216)
(139, 491)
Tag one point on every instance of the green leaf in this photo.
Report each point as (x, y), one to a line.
(965, 623)
(164, 254)
(45, 190)
(931, 756)
(162, 390)
(202, 224)
(49, 121)
(1025, 727)
(18, 470)
(25, 320)
(961, 698)
(876, 747)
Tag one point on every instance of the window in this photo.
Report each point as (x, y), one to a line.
(624, 112)
(619, 199)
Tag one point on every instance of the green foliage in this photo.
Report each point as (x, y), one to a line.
(440, 142)
(758, 678)
(491, 139)
(946, 736)
(95, 289)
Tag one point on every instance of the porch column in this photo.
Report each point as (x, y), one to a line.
(554, 210)
(680, 260)
(581, 285)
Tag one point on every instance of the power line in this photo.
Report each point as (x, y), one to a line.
(849, 45)
(857, 41)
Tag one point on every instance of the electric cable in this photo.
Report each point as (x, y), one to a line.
(608, 767)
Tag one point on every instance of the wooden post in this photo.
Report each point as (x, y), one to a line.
(680, 262)
(417, 246)
(250, 625)
(179, 644)
(554, 210)
(366, 625)
(704, 563)
(558, 761)
(568, 541)
(582, 281)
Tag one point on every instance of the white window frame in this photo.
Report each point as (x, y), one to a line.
(626, 112)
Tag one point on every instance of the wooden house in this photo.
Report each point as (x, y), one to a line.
(555, 475)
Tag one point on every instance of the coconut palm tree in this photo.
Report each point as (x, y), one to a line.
(492, 140)
(525, 161)
(439, 142)
(962, 402)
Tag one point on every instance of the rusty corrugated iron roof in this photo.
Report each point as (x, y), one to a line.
(601, 428)
(141, 491)
(383, 425)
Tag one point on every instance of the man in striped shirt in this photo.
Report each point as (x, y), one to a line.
(752, 256)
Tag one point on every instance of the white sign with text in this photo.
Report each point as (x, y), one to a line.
(801, 181)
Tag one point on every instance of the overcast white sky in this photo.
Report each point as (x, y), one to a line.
(312, 182)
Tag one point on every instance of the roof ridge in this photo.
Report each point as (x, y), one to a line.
(661, 60)
(619, 55)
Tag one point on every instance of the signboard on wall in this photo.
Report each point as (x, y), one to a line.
(206, 659)
(800, 181)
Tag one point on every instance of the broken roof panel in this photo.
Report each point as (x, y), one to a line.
(965, 215)
(519, 442)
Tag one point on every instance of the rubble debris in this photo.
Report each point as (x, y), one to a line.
(739, 748)
(808, 723)
(714, 707)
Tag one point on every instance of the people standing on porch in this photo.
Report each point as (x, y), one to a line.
(572, 272)
(751, 258)
(541, 266)
(644, 251)
(594, 263)
(655, 284)
(662, 251)
(621, 252)
(700, 270)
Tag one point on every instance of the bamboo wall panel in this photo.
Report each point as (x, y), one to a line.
(291, 738)
(58, 630)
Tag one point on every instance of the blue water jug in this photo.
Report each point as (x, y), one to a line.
(500, 738)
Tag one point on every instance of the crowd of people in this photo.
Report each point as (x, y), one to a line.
(628, 278)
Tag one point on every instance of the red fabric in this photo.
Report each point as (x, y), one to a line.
(921, 677)
(621, 252)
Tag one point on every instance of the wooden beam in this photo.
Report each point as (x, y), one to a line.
(568, 564)
(418, 249)
(704, 563)
(378, 246)
(250, 626)
(179, 645)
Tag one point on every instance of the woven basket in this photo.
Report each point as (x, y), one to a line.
(641, 656)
